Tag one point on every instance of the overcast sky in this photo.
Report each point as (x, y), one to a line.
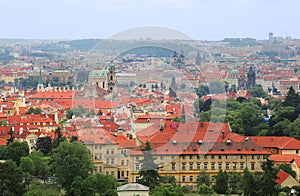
(199, 19)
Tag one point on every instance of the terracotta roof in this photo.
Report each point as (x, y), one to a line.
(280, 142)
(282, 176)
(284, 158)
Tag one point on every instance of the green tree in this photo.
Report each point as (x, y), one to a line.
(11, 136)
(292, 98)
(203, 178)
(149, 169)
(70, 160)
(58, 138)
(94, 184)
(204, 189)
(221, 186)
(41, 165)
(176, 119)
(257, 91)
(235, 183)
(167, 190)
(34, 111)
(44, 144)
(11, 179)
(249, 184)
(3, 123)
(202, 91)
(15, 151)
(2, 152)
(27, 167)
(267, 184)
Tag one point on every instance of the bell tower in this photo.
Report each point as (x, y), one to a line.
(111, 76)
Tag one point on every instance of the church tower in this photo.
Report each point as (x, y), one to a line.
(111, 76)
(40, 86)
(251, 77)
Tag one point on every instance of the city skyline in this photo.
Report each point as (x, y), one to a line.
(200, 20)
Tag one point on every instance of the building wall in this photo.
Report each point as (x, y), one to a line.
(290, 181)
(187, 168)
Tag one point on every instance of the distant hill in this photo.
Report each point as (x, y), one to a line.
(241, 42)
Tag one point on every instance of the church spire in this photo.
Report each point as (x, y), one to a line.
(182, 113)
(40, 77)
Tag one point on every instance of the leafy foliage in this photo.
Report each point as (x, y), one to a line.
(167, 190)
(44, 144)
(34, 111)
(11, 179)
(15, 151)
(149, 169)
(70, 160)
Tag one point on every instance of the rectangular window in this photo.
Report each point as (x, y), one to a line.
(205, 166)
(220, 156)
(112, 173)
(107, 151)
(212, 178)
(205, 156)
(183, 157)
(227, 166)
(220, 166)
(122, 162)
(198, 165)
(191, 157)
(161, 157)
(252, 166)
(122, 173)
(100, 169)
(234, 166)
(96, 147)
(227, 157)
(107, 173)
(241, 157)
(183, 167)
(173, 166)
(258, 156)
(191, 166)
(213, 166)
(234, 157)
(137, 158)
(112, 151)
(252, 157)
(183, 178)
(137, 167)
(107, 161)
(241, 166)
(191, 179)
(198, 156)
(212, 156)
(112, 161)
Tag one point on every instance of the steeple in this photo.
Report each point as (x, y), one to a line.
(40, 86)
(182, 117)
(40, 77)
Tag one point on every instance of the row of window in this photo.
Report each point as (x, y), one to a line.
(213, 166)
(233, 166)
(227, 157)
(192, 157)
(112, 161)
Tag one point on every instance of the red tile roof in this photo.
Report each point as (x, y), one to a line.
(282, 176)
(280, 142)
